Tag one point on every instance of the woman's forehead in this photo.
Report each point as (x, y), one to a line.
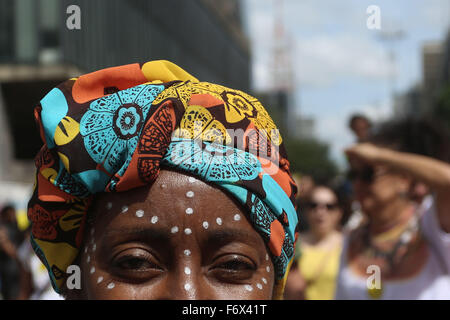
(175, 202)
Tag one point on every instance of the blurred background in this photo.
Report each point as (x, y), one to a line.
(312, 63)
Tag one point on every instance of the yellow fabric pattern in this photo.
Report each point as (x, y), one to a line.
(326, 261)
(165, 71)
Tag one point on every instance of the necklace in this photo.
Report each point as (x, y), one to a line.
(391, 256)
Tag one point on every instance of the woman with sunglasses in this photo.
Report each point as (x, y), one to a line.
(403, 251)
(314, 271)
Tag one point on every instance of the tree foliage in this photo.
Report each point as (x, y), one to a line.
(310, 156)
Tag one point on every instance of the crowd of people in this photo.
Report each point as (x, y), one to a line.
(399, 222)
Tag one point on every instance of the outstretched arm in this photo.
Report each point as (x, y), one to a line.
(434, 173)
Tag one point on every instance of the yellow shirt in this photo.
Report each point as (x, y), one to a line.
(319, 267)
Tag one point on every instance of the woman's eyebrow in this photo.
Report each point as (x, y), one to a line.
(151, 233)
(223, 236)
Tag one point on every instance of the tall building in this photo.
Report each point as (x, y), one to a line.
(41, 45)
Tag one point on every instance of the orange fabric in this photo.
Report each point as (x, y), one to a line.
(91, 86)
(276, 237)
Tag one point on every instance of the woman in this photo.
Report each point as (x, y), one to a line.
(403, 252)
(159, 186)
(313, 275)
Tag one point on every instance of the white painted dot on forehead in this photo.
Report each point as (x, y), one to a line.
(85, 249)
(219, 221)
(259, 286)
(124, 209)
(237, 217)
(187, 231)
(99, 279)
(140, 213)
(163, 186)
(268, 269)
(205, 224)
(267, 257)
(109, 205)
(187, 270)
(94, 247)
(187, 286)
(264, 280)
(187, 252)
(88, 259)
(174, 229)
(190, 194)
(92, 270)
(154, 219)
(192, 179)
(248, 287)
(111, 285)
(189, 211)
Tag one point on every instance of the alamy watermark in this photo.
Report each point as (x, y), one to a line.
(73, 21)
(373, 21)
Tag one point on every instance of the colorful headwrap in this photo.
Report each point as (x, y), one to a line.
(112, 130)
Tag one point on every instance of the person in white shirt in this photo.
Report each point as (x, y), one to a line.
(403, 251)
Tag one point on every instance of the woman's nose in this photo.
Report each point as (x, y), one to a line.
(185, 283)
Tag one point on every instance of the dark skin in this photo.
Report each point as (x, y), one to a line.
(139, 256)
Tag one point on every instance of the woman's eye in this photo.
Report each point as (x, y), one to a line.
(135, 265)
(233, 268)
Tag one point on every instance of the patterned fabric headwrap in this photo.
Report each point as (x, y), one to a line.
(112, 130)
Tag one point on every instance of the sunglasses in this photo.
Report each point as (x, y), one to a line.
(365, 175)
(329, 206)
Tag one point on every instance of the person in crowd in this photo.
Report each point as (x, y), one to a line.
(360, 126)
(305, 185)
(11, 270)
(158, 186)
(314, 272)
(403, 251)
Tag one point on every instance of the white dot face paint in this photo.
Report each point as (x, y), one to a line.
(109, 205)
(237, 217)
(248, 287)
(85, 249)
(190, 194)
(264, 280)
(268, 269)
(267, 257)
(88, 259)
(140, 213)
(219, 221)
(154, 219)
(187, 286)
(92, 270)
(187, 252)
(187, 231)
(205, 224)
(124, 209)
(189, 211)
(259, 286)
(174, 229)
(99, 279)
(191, 179)
(187, 270)
(111, 285)
(94, 247)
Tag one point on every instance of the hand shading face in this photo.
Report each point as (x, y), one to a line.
(179, 239)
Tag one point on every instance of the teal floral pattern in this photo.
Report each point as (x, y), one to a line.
(112, 125)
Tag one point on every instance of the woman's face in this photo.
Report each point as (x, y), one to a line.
(377, 187)
(323, 212)
(179, 239)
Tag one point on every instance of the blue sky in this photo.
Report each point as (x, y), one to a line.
(341, 66)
